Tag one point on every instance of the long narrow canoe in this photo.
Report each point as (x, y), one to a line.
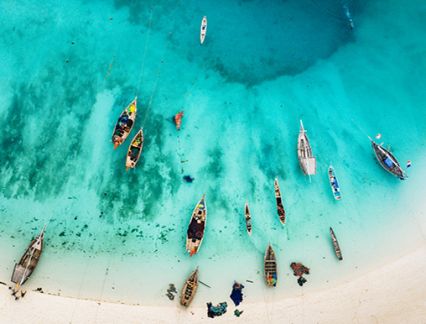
(135, 150)
(307, 161)
(248, 218)
(203, 29)
(189, 289)
(197, 224)
(388, 161)
(280, 207)
(124, 124)
(334, 184)
(336, 245)
(270, 264)
(26, 266)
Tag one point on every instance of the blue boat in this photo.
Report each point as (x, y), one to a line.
(334, 184)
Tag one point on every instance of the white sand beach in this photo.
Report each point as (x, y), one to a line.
(394, 293)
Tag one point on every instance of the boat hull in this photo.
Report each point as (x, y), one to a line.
(248, 219)
(135, 150)
(189, 289)
(307, 161)
(388, 161)
(270, 267)
(336, 245)
(124, 124)
(29, 261)
(203, 30)
(334, 184)
(196, 228)
(178, 120)
(279, 202)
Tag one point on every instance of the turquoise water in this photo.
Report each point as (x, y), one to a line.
(68, 70)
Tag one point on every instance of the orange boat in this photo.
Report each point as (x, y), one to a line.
(178, 119)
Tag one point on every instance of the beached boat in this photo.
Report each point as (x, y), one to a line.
(189, 289)
(203, 29)
(23, 270)
(270, 267)
(336, 245)
(304, 153)
(135, 150)
(248, 218)
(196, 227)
(280, 207)
(178, 120)
(334, 184)
(387, 160)
(125, 123)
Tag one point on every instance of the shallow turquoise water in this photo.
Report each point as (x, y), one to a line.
(68, 71)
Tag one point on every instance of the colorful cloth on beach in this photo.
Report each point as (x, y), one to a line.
(237, 293)
(213, 311)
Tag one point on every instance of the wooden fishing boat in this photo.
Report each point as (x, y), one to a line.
(280, 207)
(270, 267)
(196, 227)
(135, 150)
(26, 266)
(125, 123)
(387, 160)
(189, 289)
(178, 120)
(334, 184)
(336, 245)
(248, 218)
(307, 161)
(203, 29)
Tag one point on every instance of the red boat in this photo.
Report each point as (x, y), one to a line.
(178, 119)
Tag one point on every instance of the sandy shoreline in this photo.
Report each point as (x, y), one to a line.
(390, 294)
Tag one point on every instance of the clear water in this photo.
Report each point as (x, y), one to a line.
(67, 71)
